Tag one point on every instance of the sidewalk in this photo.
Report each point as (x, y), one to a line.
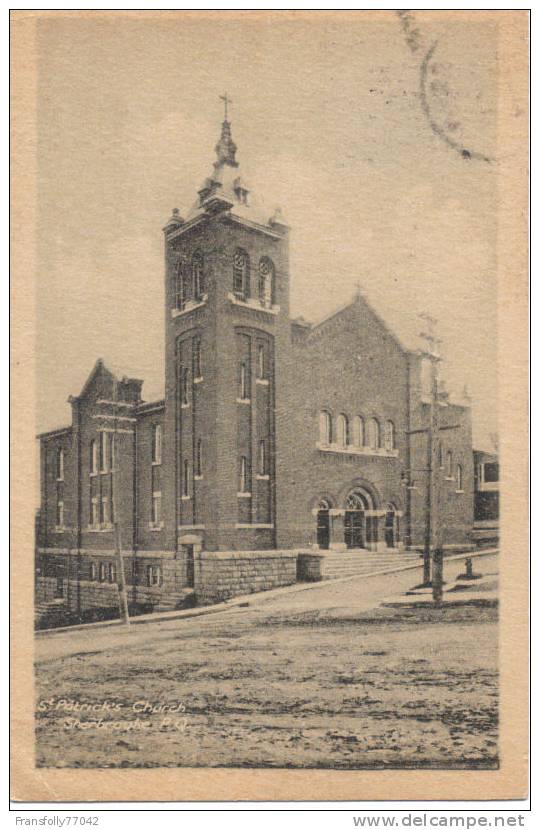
(246, 600)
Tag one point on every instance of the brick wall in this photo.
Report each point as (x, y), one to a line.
(351, 365)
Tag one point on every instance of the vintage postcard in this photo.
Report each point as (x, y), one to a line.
(270, 405)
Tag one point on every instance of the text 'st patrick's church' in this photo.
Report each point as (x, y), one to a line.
(276, 439)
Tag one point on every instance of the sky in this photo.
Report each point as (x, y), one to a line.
(330, 124)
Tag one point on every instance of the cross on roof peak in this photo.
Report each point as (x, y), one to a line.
(226, 100)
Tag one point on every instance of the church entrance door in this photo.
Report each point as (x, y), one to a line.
(323, 526)
(354, 528)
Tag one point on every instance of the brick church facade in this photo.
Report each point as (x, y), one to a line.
(274, 435)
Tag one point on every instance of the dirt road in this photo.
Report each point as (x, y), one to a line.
(320, 678)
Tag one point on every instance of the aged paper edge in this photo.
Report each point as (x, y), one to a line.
(510, 781)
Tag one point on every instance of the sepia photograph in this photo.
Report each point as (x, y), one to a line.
(267, 420)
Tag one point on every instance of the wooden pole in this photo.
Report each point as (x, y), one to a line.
(437, 530)
(121, 577)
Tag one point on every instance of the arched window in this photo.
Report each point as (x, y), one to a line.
(449, 464)
(342, 430)
(262, 457)
(266, 282)
(244, 475)
(93, 457)
(183, 290)
(358, 431)
(241, 274)
(102, 572)
(389, 436)
(325, 428)
(199, 457)
(197, 271)
(374, 433)
(104, 452)
(93, 572)
(112, 572)
(156, 443)
(60, 465)
(459, 477)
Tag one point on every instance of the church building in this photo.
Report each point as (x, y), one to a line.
(276, 438)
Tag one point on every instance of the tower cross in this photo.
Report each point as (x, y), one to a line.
(225, 98)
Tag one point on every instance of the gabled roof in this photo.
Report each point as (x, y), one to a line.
(398, 322)
(116, 373)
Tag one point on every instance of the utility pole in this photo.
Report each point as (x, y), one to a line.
(115, 459)
(433, 550)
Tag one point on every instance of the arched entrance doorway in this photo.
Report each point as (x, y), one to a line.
(323, 524)
(391, 526)
(356, 505)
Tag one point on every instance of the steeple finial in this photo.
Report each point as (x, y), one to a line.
(226, 148)
(225, 98)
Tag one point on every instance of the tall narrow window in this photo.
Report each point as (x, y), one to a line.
(94, 512)
(112, 451)
(262, 458)
(198, 275)
(374, 434)
(459, 477)
(449, 464)
(185, 386)
(244, 381)
(197, 369)
(325, 428)
(59, 513)
(358, 431)
(183, 286)
(60, 465)
(93, 457)
(102, 572)
(154, 575)
(244, 475)
(342, 430)
(156, 508)
(261, 361)
(389, 436)
(266, 282)
(441, 465)
(156, 444)
(112, 572)
(185, 477)
(103, 452)
(241, 274)
(199, 458)
(105, 514)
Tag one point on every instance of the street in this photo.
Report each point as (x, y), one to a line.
(324, 677)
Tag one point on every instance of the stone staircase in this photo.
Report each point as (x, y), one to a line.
(176, 601)
(359, 561)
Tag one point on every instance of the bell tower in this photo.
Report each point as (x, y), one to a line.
(227, 332)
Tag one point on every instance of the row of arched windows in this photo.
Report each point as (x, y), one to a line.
(358, 433)
(242, 278)
(190, 284)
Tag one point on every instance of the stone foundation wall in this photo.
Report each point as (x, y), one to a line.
(45, 589)
(220, 575)
(310, 567)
